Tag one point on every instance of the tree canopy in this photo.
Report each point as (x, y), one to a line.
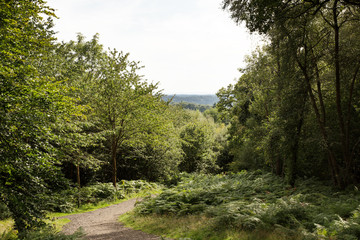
(309, 84)
(31, 104)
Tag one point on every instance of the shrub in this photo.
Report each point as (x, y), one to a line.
(62, 202)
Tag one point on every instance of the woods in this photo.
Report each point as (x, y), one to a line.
(77, 121)
(300, 89)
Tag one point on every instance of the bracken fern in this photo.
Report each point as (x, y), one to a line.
(261, 201)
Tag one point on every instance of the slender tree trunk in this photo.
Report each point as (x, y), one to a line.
(331, 157)
(78, 175)
(113, 157)
(345, 148)
(350, 167)
(320, 95)
(279, 166)
(78, 182)
(332, 160)
(77, 166)
(295, 145)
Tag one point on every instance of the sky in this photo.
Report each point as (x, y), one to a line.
(188, 46)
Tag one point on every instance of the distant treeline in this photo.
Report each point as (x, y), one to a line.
(193, 106)
(197, 99)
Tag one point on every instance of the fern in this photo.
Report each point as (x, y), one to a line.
(258, 201)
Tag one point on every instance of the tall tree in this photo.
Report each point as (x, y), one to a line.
(75, 64)
(125, 106)
(315, 34)
(30, 105)
(123, 109)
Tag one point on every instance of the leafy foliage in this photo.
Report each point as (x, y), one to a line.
(4, 212)
(31, 104)
(261, 201)
(126, 116)
(66, 201)
(299, 91)
(202, 142)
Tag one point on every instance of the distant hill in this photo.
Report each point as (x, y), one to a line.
(193, 98)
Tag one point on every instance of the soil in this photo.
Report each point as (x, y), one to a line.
(103, 224)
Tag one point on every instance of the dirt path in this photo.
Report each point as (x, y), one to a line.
(102, 224)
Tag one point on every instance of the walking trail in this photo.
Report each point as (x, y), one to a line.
(103, 224)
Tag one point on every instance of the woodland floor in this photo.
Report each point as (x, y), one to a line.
(103, 224)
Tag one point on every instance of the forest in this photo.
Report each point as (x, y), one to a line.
(277, 157)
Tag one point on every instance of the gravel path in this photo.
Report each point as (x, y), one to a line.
(102, 224)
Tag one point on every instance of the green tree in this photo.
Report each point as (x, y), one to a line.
(74, 65)
(267, 113)
(126, 112)
(316, 35)
(31, 104)
(199, 145)
(125, 107)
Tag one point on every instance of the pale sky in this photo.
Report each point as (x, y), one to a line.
(188, 46)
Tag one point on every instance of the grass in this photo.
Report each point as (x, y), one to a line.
(57, 223)
(194, 227)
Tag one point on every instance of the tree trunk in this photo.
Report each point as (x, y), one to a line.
(78, 181)
(113, 157)
(350, 166)
(295, 147)
(337, 81)
(332, 160)
(78, 175)
(279, 166)
(343, 136)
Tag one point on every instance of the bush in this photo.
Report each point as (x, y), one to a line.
(62, 202)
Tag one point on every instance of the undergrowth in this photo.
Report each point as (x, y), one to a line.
(70, 200)
(256, 201)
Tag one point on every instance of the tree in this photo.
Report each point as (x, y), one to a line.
(31, 104)
(124, 112)
(76, 64)
(315, 34)
(198, 143)
(123, 104)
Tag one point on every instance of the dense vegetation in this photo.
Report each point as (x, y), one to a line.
(295, 107)
(75, 116)
(253, 203)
